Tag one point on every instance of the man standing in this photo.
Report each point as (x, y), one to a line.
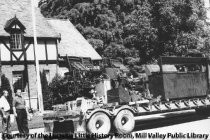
(5, 113)
(20, 112)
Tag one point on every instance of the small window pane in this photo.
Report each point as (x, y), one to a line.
(16, 40)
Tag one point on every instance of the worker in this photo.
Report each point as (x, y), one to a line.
(21, 113)
(5, 114)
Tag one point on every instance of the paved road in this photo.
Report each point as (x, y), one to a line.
(177, 123)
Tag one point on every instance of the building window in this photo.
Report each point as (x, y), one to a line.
(16, 40)
(18, 80)
(16, 30)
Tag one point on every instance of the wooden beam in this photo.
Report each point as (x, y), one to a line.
(46, 52)
(22, 62)
(25, 49)
(11, 52)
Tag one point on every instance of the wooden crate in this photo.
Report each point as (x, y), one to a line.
(179, 85)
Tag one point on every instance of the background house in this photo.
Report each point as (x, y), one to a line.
(17, 50)
(72, 43)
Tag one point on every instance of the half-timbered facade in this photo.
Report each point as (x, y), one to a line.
(17, 54)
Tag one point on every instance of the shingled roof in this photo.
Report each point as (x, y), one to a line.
(22, 10)
(72, 42)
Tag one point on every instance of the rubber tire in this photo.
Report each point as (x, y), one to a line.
(128, 126)
(103, 119)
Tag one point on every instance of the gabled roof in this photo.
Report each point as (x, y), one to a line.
(72, 42)
(12, 22)
(22, 10)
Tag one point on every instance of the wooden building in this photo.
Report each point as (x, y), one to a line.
(72, 43)
(17, 54)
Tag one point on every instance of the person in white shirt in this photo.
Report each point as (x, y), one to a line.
(5, 113)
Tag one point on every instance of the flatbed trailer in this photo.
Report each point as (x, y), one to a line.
(100, 119)
(87, 116)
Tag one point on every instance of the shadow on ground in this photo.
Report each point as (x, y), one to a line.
(168, 120)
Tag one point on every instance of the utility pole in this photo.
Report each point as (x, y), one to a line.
(38, 81)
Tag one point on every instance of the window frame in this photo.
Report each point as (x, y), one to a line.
(17, 75)
(18, 43)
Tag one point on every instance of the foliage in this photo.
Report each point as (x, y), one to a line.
(5, 85)
(70, 87)
(58, 88)
(56, 92)
(118, 28)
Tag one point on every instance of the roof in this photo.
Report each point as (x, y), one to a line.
(149, 69)
(22, 10)
(12, 22)
(72, 42)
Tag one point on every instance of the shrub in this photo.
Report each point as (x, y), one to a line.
(61, 89)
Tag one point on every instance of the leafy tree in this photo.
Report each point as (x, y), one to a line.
(150, 27)
(97, 44)
(55, 86)
(62, 89)
(180, 26)
(140, 33)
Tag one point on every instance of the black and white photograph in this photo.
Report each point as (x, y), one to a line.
(105, 69)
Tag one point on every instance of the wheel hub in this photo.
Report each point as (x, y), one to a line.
(124, 121)
(98, 124)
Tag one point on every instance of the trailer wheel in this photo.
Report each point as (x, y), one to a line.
(124, 122)
(99, 123)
